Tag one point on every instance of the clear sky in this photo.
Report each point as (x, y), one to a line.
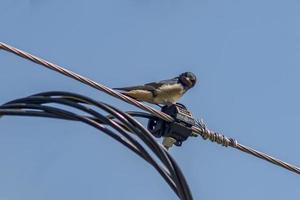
(245, 53)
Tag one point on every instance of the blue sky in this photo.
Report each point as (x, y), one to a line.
(245, 53)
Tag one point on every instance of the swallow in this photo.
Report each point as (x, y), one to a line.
(165, 92)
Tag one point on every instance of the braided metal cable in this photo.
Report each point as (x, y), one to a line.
(199, 129)
(225, 141)
(268, 158)
(84, 80)
(213, 136)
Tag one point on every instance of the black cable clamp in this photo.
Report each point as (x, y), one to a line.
(180, 129)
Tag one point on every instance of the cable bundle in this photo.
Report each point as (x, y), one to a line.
(119, 125)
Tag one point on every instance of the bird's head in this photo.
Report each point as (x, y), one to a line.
(187, 79)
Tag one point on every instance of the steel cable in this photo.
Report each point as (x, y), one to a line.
(84, 80)
(205, 133)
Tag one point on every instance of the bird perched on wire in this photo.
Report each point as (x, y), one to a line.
(164, 92)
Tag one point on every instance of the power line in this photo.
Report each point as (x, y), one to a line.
(199, 129)
(47, 105)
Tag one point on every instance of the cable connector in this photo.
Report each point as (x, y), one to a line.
(180, 129)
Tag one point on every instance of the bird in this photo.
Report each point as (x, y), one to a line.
(165, 92)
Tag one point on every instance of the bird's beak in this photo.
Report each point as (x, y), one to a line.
(188, 81)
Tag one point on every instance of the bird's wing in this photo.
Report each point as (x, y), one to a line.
(138, 87)
(153, 85)
(148, 86)
(157, 85)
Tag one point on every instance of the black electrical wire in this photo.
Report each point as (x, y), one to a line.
(65, 94)
(176, 180)
(7, 111)
(145, 136)
(67, 116)
(171, 162)
(21, 105)
(50, 112)
(149, 116)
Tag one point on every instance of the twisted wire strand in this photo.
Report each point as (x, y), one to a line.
(268, 158)
(226, 141)
(84, 80)
(199, 129)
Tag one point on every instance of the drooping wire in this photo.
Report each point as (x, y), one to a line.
(145, 135)
(38, 105)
